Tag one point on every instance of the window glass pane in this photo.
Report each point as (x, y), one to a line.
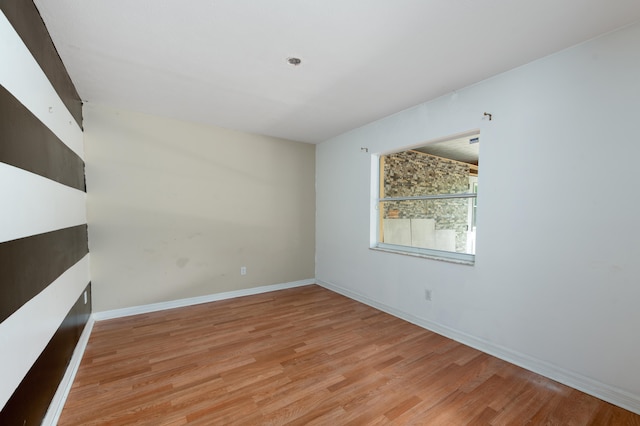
(443, 224)
(413, 173)
(446, 172)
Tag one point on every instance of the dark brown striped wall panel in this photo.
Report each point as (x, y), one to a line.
(27, 406)
(28, 265)
(37, 250)
(26, 20)
(28, 144)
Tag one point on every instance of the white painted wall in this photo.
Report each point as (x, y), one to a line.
(556, 284)
(37, 205)
(176, 208)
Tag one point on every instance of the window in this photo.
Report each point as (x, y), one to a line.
(426, 202)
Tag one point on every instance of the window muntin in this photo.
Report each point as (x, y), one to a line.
(427, 202)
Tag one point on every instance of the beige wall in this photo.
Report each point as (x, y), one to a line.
(176, 208)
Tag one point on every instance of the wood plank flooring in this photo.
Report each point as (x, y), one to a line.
(306, 356)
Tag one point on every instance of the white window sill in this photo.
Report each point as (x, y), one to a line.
(441, 258)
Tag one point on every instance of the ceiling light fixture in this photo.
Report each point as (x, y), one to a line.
(294, 61)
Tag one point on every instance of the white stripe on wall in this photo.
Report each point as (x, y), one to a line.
(21, 75)
(31, 327)
(32, 204)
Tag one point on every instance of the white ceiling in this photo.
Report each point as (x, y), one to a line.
(459, 149)
(223, 62)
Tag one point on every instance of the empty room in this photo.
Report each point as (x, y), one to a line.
(332, 213)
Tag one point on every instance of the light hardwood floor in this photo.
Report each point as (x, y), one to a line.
(306, 356)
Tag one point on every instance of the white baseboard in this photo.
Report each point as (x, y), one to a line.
(60, 397)
(582, 383)
(153, 307)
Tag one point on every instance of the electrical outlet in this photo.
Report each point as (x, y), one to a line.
(427, 294)
(243, 270)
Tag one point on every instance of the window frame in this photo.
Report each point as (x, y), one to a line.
(376, 217)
